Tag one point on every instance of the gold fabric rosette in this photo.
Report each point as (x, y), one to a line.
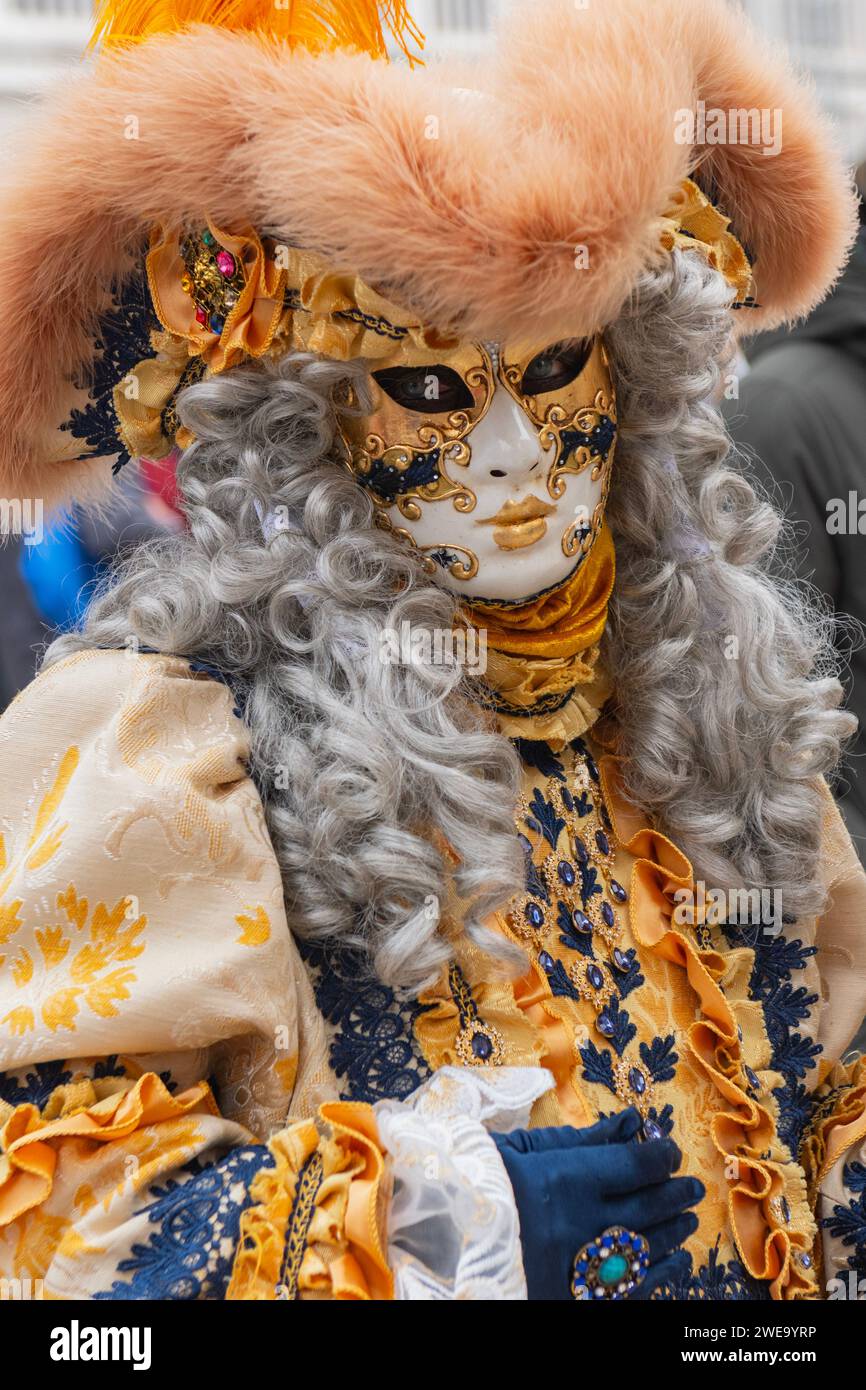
(693, 223)
(224, 298)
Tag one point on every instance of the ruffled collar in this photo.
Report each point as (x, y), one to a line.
(543, 679)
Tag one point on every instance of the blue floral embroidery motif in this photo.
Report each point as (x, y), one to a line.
(190, 1254)
(785, 1007)
(374, 1050)
(538, 755)
(548, 822)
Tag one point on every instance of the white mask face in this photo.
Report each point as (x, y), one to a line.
(495, 465)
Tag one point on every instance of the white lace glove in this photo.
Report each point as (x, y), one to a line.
(453, 1228)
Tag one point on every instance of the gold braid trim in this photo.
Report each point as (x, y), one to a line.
(315, 1229)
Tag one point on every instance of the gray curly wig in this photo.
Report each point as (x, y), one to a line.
(726, 705)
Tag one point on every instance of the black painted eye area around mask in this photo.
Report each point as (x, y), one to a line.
(556, 367)
(426, 390)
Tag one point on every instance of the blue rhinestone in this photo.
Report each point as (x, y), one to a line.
(637, 1080)
(602, 841)
(533, 824)
(567, 799)
(606, 1242)
(592, 1251)
(608, 914)
(534, 914)
(482, 1047)
(806, 1261)
(566, 872)
(752, 1079)
(652, 1130)
(546, 961)
(591, 767)
(582, 922)
(580, 850)
(605, 1024)
(524, 844)
(618, 891)
(216, 324)
(621, 960)
(595, 977)
(636, 1243)
(786, 1210)
(582, 1266)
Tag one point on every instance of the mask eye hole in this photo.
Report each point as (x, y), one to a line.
(556, 367)
(426, 390)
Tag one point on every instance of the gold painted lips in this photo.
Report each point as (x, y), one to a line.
(519, 524)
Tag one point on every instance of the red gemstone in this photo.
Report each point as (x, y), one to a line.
(201, 316)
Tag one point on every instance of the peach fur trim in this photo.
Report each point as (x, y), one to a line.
(743, 1129)
(475, 230)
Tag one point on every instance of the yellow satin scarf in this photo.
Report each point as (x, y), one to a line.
(542, 656)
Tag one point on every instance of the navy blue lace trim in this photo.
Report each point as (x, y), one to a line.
(848, 1223)
(36, 1085)
(122, 342)
(715, 1282)
(785, 1007)
(374, 1051)
(197, 1224)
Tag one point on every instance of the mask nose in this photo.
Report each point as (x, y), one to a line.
(506, 444)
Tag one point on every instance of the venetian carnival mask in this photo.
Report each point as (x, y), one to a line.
(494, 462)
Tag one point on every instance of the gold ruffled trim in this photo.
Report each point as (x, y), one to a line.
(315, 1229)
(96, 1110)
(744, 1131)
(838, 1121)
(559, 726)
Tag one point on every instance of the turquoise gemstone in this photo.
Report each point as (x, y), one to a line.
(613, 1270)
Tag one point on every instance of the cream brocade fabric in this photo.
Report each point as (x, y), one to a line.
(141, 914)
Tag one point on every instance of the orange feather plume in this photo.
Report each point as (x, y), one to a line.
(317, 25)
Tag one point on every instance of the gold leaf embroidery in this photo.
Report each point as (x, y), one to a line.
(256, 929)
(61, 1009)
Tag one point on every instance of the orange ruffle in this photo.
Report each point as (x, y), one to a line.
(343, 1255)
(743, 1131)
(29, 1138)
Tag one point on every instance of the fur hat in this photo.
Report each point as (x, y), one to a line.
(523, 197)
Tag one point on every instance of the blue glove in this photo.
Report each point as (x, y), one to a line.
(571, 1184)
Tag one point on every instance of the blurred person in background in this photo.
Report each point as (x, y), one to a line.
(22, 632)
(61, 573)
(801, 417)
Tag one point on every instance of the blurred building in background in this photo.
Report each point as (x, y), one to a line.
(828, 38)
(39, 39)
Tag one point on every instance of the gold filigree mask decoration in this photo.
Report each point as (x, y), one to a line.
(412, 447)
(494, 462)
